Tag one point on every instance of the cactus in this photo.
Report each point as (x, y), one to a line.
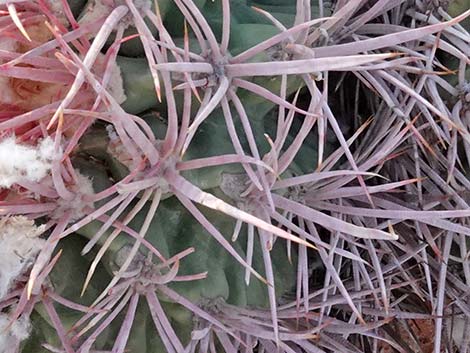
(203, 176)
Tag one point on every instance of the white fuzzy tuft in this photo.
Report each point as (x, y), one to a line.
(77, 205)
(12, 335)
(118, 151)
(22, 162)
(116, 85)
(94, 10)
(19, 245)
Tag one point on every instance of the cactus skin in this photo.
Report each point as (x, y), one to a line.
(173, 229)
(457, 7)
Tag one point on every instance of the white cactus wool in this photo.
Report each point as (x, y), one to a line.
(22, 162)
(12, 333)
(19, 245)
